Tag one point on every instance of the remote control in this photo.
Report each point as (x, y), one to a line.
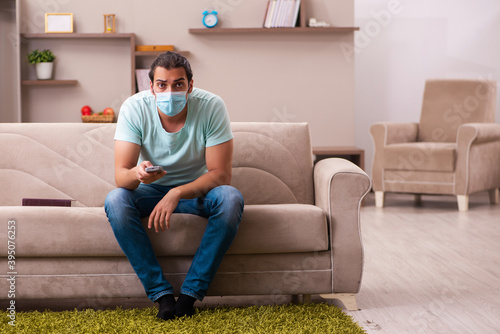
(154, 169)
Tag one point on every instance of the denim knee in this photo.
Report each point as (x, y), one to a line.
(116, 197)
(233, 196)
(231, 201)
(115, 202)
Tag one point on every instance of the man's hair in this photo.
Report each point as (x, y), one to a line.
(170, 60)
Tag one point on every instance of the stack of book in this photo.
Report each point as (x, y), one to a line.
(282, 13)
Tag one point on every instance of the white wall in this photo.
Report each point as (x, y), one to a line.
(419, 40)
(262, 77)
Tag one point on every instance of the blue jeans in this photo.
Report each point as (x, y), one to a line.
(223, 206)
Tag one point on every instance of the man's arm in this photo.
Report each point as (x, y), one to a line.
(127, 173)
(219, 164)
(219, 160)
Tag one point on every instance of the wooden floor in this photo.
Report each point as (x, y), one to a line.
(430, 269)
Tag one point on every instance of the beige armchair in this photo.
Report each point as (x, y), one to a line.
(454, 150)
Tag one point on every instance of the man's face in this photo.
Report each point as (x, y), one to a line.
(173, 80)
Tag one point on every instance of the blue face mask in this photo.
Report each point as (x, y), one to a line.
(171, 103)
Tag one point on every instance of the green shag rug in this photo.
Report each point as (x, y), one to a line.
(304, 318)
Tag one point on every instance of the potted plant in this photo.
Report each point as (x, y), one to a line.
(44, 63)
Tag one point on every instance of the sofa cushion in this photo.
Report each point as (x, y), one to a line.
(272, 162)
(66, 161)
(439, 157)
(51, 232)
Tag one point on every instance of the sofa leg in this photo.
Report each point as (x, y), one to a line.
(494, 196)
(306, 299)
(348, 299)
(379, 199)
(463, 202)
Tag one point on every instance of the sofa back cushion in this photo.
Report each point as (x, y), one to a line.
(272, 162)
(447, 104)
(56, 160)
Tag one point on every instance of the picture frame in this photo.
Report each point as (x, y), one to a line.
(58, 22)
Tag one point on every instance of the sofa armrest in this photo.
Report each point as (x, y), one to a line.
(340, 187)
(478, 157)
(384, 134)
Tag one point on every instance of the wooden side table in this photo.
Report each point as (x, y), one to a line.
(351, 153)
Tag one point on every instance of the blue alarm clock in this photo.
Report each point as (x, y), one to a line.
(210, 19)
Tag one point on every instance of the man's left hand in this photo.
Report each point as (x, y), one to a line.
(160, 216)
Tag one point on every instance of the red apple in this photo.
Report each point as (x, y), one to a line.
(108, 111)
(86, 111)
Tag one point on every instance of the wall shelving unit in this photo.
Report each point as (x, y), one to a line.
(10, 94)
(130, 37)
(127, 36)
(301, 28)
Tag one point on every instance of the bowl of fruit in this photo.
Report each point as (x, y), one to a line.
(105, 116)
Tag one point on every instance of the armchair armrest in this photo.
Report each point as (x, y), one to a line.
(475, 133)
(340, 187)
(387, 133)
(478, 157)
(384, 134)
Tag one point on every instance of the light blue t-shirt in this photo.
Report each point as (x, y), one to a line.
(181, 154)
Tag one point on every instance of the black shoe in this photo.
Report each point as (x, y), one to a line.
(184, 306)
(166, 310)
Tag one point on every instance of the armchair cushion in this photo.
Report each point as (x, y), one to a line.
(438, 157)
(447, 104)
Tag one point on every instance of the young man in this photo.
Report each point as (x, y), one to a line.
(187, 132)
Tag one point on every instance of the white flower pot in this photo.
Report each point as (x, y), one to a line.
(44, 70)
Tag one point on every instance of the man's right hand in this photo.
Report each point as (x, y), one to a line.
(146, 177)
(128, 174)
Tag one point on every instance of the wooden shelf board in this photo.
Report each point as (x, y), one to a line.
(272, 30)
(354, 154)
(325, 150)
(75, 35)
(156, 53)
(48, 82)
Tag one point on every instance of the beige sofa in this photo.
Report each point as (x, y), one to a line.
(300, 232)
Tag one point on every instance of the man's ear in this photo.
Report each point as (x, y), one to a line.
(151, 88)
(190, 87)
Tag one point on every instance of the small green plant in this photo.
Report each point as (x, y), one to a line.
(45, 56)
